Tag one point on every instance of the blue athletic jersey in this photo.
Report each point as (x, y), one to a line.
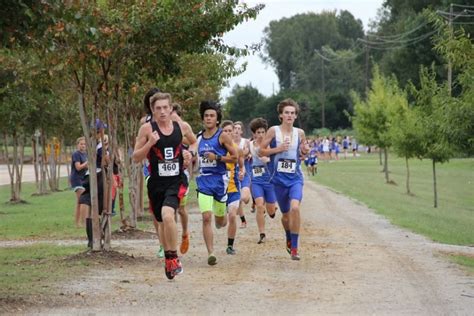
(258, 169)
(285, 167)
(212, 145)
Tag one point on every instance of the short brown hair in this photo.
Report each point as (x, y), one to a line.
(239, 123)
(288, 102)
(82, 138)
(160, 96)
(257, 123)
(178, 109)
(227, 123)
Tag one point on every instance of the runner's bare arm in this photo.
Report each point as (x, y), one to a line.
(265, 150)
(304, 147)
(145, 140)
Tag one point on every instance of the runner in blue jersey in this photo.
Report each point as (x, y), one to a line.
(262, 190)
(287, 144)
(215, 149)
(245, 195)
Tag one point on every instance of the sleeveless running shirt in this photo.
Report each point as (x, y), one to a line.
(165, 157)
(212, 145)
(285, 166)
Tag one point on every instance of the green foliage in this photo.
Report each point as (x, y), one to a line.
(431, 117)
(373, 118)
(241, 105)
(314, 56)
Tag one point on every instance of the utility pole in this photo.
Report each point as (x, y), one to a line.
(323, 96)
(366, 66)
(450, 68)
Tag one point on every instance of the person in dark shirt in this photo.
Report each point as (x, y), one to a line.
(78, 171)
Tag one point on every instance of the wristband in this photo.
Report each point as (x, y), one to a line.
(218, 157)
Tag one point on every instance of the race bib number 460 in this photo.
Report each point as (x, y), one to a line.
(206, 163)
(168, 168)
(286, 165)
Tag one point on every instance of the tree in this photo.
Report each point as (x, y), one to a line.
(102, 45)
(406, 137)
(429, 100)
(373, 118)
(242, 103)
(315, 55)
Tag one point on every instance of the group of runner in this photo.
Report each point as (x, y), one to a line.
(231, 171)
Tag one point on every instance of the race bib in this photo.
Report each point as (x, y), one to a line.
(286, 165)
(258, 171)
(206, 163)
(168, 168)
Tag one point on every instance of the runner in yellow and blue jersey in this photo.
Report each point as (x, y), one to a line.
(235, 173)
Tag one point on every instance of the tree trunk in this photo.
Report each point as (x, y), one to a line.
(385, 167)
(34, 146)
(380, 157)
(434, 185)
(15, 170)
(42, 164)
(134, 191)
(408, 176)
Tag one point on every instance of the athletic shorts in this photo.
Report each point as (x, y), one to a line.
(166, 194)
(232, 197)
(245, 183)
(214, 185)
(79, 187)
(267, 191)
(285, 194)
(207, 203)
(85, 197)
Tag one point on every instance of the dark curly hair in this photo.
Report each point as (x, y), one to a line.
(210, 105)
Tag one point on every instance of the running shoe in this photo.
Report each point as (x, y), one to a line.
(230, 250)
(261, 240)
(243, 225)
(184, 244)
(176, 266)
(169, 269)
(211, 260)
(161, 252)
(294, 254)
(288, 246)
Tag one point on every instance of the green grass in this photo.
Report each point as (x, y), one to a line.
(52, 216)
(32, 269)
(452, 222)
(468, 262)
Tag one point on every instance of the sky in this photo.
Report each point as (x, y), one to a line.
(262, 76)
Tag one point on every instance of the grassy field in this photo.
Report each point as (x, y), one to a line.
(451, 223)
(30, 270)
(52, 216)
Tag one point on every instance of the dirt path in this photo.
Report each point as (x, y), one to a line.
(353, 262)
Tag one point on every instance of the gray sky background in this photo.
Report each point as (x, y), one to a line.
(262, 76)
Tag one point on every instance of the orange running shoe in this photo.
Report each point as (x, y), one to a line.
(184, 244)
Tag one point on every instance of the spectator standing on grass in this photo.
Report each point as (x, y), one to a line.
(78, 171)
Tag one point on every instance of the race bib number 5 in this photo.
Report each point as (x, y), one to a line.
(168, 168)
(286, 166)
